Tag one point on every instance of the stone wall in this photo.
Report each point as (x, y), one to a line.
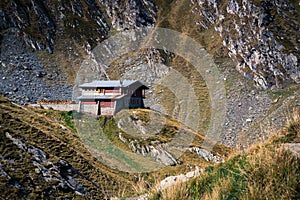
(62, 107)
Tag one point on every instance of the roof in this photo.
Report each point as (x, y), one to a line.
(94, 97)
(114, 83)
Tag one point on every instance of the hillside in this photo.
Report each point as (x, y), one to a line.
(42, 158)
(245, 78)
(267, 170)
(42, 155)
(260, 38)
(254, 45)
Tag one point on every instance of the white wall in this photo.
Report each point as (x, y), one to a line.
(62, 107)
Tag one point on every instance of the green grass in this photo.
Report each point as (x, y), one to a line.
(67, 117)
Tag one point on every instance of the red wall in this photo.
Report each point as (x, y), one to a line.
(89, 102)
(107, 104)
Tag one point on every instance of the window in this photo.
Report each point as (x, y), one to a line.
(143, 93)
(101, 90)
(134, 101)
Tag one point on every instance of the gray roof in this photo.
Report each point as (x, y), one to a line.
(114, 83)
(100, 97)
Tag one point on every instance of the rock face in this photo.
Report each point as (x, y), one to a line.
(41, 22)
(208, 156)
(260, 37)
(158, 152)
(129, 14)
(68, 27)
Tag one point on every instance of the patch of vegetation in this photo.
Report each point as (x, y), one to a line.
(287, 91)
(67, 117)
(279, 96)
(291, 132)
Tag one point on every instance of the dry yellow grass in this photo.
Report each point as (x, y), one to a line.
(264, 171)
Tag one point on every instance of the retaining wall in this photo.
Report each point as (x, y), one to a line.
(62, 107)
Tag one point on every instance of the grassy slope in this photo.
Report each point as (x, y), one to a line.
(264, 171)
(167, 129)
(153, 121)
(38, 130)
(42, 129)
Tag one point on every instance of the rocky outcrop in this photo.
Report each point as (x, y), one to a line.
(146, 144)
(62, 174)
(293, 147)
(260, 37)
(129, 14)
(172, 180)
(206, 155)
(139, 128)
(158, 152)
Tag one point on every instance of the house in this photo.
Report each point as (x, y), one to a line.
(109, 97)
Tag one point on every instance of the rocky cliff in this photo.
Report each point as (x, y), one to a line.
(90, 21)
(261, 36)
(67, 31)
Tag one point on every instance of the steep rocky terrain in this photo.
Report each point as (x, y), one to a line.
(43, 44)
(261, 36)
(55, 37)
(24, 77)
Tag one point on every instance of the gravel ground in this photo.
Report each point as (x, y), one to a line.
(251, 112)
(23, 78)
